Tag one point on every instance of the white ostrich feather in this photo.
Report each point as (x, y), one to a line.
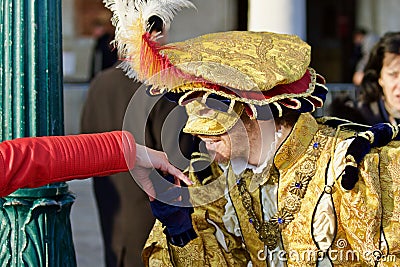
(130, 18)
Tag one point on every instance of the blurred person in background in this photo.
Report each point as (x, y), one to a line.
(379, 92)
(124, 210)
(104, 55)
(363, 41)
(380, 86)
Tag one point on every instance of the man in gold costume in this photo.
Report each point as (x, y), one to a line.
(282, 188)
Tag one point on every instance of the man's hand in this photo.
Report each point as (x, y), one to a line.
(148, 159)
(172, 206)
(173, 209)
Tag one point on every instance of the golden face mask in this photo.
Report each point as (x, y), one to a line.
(207, 121)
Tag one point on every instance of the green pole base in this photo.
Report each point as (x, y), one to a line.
(35, 227)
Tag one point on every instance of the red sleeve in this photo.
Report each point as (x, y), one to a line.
(37, 161)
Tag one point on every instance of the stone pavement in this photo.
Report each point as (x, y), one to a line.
(85, 225)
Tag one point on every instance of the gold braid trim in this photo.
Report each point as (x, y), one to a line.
(367, 135)
(350, 161)
(198, 87)
(395, 130)
(279, 108)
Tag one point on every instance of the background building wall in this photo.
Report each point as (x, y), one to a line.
(378, 16)
(210, 16)
(388, 12)
(284, 16)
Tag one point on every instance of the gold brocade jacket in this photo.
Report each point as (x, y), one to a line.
(364, 223)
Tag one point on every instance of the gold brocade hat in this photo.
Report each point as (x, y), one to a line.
(252, 68)
(242, 60)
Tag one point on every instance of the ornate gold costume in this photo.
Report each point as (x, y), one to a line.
(366, 220)
(300, 212)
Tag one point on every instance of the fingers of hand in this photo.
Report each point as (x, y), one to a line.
(178, 174)
(177, 181)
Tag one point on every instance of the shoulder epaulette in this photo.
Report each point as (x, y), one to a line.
(335, 122)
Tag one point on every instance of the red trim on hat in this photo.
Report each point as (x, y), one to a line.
(298, 87)
(294, 88)
(316, 101)
(290, 103)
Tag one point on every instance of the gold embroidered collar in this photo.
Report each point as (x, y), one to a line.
(296, 144)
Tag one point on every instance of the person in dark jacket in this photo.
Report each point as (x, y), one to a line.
(104, 55)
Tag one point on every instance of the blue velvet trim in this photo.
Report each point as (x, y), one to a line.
(382, 133)
(182, 239)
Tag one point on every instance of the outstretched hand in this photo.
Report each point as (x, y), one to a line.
(148, 159)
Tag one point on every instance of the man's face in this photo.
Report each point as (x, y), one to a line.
(251, 141)
(219, 147)
(238, 142)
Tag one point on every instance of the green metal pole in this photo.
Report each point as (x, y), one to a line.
(35, 227)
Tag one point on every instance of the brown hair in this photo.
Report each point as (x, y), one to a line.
(289, 117)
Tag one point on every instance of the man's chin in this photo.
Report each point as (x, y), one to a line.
(221, 160)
